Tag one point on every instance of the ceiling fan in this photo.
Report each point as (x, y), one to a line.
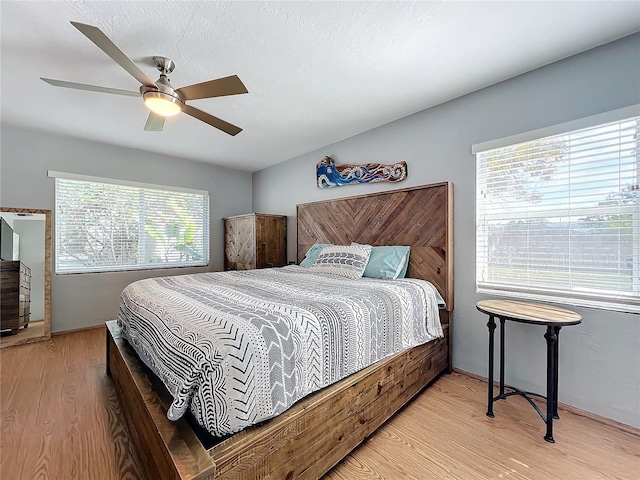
(159, 96)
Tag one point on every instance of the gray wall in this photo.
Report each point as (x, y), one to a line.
(84, 300)
(599, 359)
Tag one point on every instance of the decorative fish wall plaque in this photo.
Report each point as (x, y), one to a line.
(332, 175)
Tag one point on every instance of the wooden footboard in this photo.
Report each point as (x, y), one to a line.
(169, 450)
(303, 442)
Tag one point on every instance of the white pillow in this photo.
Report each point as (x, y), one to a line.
(344, 260)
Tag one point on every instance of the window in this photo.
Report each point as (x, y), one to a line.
(558, 216)
(104, 225)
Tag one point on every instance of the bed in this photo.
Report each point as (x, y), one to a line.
(311, 436)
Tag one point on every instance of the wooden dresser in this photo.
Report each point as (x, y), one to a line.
(15, 295)
(255, 240)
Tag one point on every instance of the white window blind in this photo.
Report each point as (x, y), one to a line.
(558, 217)
(101, 225)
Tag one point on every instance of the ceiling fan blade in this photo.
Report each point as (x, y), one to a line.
(226, 127)
(155, 122)
(107, 46)
(90, 88)
(214, 88)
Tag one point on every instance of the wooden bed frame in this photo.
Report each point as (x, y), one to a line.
(321, 429)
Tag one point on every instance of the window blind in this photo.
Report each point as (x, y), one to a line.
(558, 217)
(104, 226)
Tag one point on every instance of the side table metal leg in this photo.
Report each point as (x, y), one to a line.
(501, 356)
(551, 380)
(555, 361)
(492, 326)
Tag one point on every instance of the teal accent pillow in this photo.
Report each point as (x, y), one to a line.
(388, 262)
(313, 253)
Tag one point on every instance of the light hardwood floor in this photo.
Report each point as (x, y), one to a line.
(60, 419)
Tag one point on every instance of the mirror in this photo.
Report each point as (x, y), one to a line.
(25, 276)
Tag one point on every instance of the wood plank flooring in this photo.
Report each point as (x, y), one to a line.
(60, 419)
(60, 415)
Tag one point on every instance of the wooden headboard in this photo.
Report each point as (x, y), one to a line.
(421, 217)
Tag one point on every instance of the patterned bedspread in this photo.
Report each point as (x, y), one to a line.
(240, 347)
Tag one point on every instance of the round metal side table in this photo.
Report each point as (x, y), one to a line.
(538, 314)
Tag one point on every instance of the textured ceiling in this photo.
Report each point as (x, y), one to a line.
(317, 72)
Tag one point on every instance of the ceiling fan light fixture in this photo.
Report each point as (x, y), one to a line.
(162, 103)
(160, 97)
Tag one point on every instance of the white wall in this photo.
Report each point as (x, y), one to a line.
(84, 300)
(599, 359)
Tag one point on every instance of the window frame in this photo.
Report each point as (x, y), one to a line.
(140, 266)
(539, 293)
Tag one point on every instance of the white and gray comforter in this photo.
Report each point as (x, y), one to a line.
(238, 348)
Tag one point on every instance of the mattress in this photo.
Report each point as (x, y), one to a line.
(237, 348)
